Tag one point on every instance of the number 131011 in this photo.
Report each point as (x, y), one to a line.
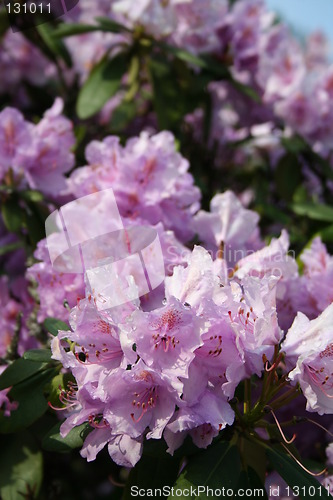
(28, 8)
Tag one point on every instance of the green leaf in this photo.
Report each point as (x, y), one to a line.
(249, 480)
(21, 465)
(4, 22)
(218, 466)
(40, 355)
(110, 25)
(294, 475)
(288, 176)
(204, 62)
(71, 29)
(254, 456)
(103, 82)
(313, 211)
(55, 44)
(212, 66)
(32, 195)
(171, 92)
(326, 234)
(12, 215)
(294, 145)
(122, 116)
(155, 469)
(53, 325)
(35, 223)
(53, 441)
(325, 166)
(32, 404)
(18, 371)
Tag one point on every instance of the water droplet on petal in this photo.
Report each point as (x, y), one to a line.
(164, 301)
(187, 305)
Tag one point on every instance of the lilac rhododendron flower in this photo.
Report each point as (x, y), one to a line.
(248, 22)
(140, 398)
(202, 421)
(308, 345)
(157, 17)
(165, 338)
(20, 59)
(317, 275)
(229, 227)
(51, 284)
(198, 24)
(281, 64)
(38, 155)
(15, 139)
(149, 178)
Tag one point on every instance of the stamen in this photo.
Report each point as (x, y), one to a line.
(98, 422)
(301, 465)
(280, 428)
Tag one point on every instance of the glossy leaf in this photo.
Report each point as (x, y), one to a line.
(218, 466)
(122, 116)
(72, 29)
(53, 325)
(155, 470)
(172, 97)
(314, 211)
(295, 144)
(249, 480)
(203, 62)
(109, 25)
(19, 370)
(294, 475)
(32, 404)
(53, 441)
(103, 82)
(12, 215)
(288, 176)
(327, 234)
(21, 465)
(39, 355)
(55, 44)
(32, 195)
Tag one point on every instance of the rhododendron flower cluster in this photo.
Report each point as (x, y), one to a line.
(168, 364)
(172, 368)
(36, 155)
